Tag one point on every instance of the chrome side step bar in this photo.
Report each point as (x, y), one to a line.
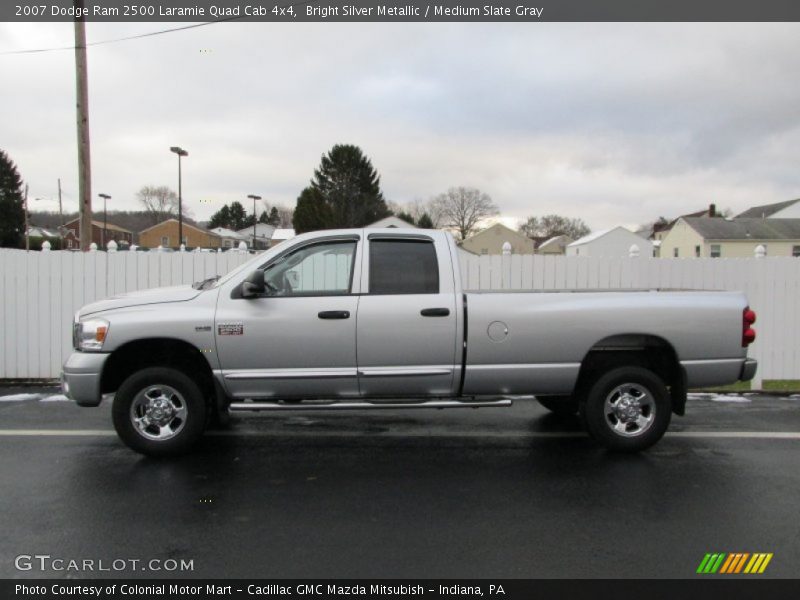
(279, 406)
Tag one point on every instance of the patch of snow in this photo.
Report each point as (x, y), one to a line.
(55, 398)
(20, 397)
(731, 398)
(736, 398)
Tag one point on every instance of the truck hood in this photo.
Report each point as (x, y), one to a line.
(180, 293)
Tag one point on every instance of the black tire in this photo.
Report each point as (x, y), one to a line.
(182, 397)
(563, 406)
(629, 390)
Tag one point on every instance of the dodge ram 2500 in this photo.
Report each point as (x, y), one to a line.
(377, 318)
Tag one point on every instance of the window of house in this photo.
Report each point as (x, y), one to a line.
(675, 252)
(697, 251)
(323, 269)
(484, 251)
(165, 241)
(796, 251)
(716, 251)
(403, 267)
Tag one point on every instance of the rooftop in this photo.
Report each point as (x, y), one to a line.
(766, 210)
(746, 228)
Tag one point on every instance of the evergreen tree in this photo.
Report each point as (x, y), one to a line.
(239, 217)
(12, 207)
(221, 218)
(345, 192)
(406, 217)
(263, 217)
(274, 218)
(312, 212)
(425, 222)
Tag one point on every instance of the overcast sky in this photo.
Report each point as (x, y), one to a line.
(612, 123)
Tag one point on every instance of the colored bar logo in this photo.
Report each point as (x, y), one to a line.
(734, 563)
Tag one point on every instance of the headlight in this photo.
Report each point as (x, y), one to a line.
(90, 334)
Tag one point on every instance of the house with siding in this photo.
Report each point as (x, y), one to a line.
(616, 241)
(491, 240)
(554, 245)
(229, 238)
(259, 236)
(391, 222)
(731, 238)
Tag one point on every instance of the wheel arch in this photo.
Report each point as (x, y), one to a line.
(139, 354)
(635, 349)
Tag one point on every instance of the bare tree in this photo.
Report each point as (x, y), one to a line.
(462, 208)
(159, 202)
(417, 208)
(550, 226)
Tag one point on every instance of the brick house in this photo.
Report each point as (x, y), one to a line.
(112, 232)
(165, 234)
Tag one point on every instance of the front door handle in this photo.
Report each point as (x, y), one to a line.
(435, 312)
(334, 314)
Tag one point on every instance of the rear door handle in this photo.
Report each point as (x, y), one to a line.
(435, 312)
(334, 314)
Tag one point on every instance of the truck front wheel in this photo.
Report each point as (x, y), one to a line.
(627, 409)
(159, 411)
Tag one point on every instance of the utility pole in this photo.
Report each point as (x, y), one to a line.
(84, 155)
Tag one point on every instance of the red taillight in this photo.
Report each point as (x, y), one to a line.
(748, 333)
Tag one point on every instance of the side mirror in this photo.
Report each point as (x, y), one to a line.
(254, 285)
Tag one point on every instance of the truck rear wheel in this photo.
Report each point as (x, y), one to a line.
(159, 411)
(564, 406)
(627, 409)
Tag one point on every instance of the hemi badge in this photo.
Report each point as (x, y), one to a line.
(203, 328)
(230, 328)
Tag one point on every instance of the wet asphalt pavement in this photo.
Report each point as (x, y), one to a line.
(501, 493)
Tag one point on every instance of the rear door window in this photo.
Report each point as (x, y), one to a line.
(403, 267)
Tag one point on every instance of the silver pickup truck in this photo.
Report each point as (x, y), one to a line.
(377, 318)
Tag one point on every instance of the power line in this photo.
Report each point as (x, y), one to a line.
(124, 39)
(151, 34)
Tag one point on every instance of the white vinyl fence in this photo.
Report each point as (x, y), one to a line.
(40, 292)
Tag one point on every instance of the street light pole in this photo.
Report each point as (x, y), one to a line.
(27, 237)
(105, 218)
(255, 218)
(180, 152)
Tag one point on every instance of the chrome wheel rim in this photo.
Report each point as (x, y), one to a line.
(158, 412)
(630, 410)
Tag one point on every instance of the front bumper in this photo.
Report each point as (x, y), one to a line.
(748, 369)
(80, 377)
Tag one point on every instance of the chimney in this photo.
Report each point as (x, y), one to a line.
(712, 210)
